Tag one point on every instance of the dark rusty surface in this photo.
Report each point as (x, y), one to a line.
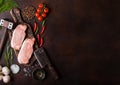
(82, 39)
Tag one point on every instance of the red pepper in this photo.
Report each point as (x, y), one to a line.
(38, 38)
(41, 42)
(43, 29)
(35, 26)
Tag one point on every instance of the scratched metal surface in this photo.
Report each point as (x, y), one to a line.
(82, 39)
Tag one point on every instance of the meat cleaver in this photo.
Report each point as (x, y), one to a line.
(43, 61)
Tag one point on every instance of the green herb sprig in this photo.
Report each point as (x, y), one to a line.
(0, 27)
(6, 5)
(8, 54)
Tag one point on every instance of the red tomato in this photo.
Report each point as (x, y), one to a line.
(37, 14)
(46, 10)
(40, 18)
(43, 15)
(40, 5)
(38, 10)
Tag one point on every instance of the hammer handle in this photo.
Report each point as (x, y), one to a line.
(53, 71)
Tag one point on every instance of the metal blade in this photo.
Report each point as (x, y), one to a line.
(40, 55)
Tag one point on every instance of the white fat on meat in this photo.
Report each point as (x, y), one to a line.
(26, 51)
(18, 36)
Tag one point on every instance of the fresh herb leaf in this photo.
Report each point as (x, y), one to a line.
(6, 59)
(43, 22)
(37, 31)
(8, 54)
(11, 54)
(6, 5)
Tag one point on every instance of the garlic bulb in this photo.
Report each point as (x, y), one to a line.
(5, 70)
(6, 79)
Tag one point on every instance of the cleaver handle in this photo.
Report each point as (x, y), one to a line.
(53, 71)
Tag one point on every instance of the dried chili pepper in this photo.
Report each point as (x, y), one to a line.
(43, 29)
(35, 26)
(38, 37)
(41, 42)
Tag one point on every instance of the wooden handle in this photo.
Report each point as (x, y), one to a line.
(53, 71)
(3, 39)
(15, 13)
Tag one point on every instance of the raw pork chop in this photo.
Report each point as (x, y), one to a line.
(26, 51)
(18, 36)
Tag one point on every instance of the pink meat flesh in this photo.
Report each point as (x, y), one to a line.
(26, 51)
(18, 36)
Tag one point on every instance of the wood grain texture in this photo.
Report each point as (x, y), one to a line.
(82, 39)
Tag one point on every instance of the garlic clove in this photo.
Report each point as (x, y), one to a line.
(14, 68)
(6, 79)
(5, 70)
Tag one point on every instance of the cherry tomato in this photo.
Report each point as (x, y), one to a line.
(38, 10)
(46, 10)
(40, 5)
(40, 18)
(43, 15)
(37, 14)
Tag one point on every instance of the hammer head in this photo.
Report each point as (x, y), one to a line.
(6, 24)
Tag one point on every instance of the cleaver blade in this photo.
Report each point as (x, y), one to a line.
(40, 56)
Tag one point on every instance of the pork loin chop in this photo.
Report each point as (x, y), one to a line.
(18, 36)
(26, 51)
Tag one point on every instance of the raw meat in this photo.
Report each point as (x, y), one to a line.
(26, 51)
(18, 36)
